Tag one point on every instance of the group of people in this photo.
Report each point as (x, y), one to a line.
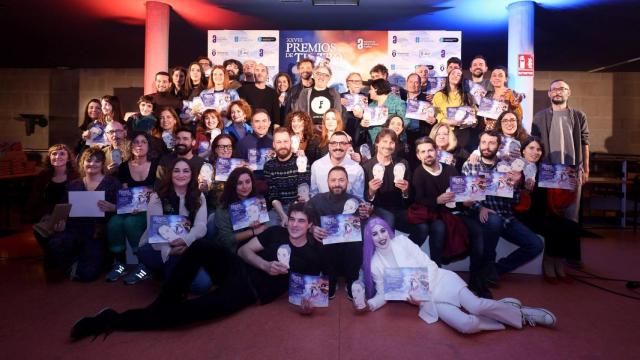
(289, 137)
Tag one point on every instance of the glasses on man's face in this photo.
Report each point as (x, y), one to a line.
(339, 143)
(113, 132)
(324, 75)
(355, 81)
(225, 147)
(559, 90)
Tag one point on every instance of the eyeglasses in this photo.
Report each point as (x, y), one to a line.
(355, 81)
(562, 89)
(324, 75)
(225, 147)
(112, 132)
(339, 143)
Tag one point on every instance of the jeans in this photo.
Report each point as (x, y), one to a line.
(398, 220)
(516, 233)
(151, 259)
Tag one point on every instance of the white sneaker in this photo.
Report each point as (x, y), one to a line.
(511, 301)
(537, 316)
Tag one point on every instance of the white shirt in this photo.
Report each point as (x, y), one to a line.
(320, 171)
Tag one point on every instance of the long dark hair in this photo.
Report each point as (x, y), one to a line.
(466, 97)
(230, 195)
(87, 119)
(151, 153)
(520, 134)
(188, 83)
(166, 190)
(214, 144)
(115, 107)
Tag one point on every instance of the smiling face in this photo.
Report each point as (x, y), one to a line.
(282, 144)
(181, 174)
(167, 120)
(354, 83)
(423, 73)
(330, 121)
(478, 67)
(184, 142)
(386, 146)
(509, 124)
(224, 148)
(321, 76)
(261, 73)
(145, 108)
(373, 94)
(260, 123)
(107, 108)
(442, 138)
(94, 110)
(178, 78)
(195, 73)
(211, 121)
(162, 83)
(338, 182)
(488, 146)
(92, 166)
(298, 224)
(282, 83)
(297, 125)
(115, 133)
(237, 115)
(380, 236)
(305, 69)
(338, 147)
(532, 152)
(218, 77)
(59, 158)
(454, 76)
(413, 84)
(427, 154)
(498, 78)
(244, 186)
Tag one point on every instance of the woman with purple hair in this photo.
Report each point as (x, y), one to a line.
(448, 293)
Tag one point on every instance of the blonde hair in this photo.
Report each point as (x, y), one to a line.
(453, 140)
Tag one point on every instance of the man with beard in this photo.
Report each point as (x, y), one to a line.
(431, 189)
(564, 132)
(260, 96)
(258, 144)
(283, 177)
(117, 151)
(239, 284)
(497, 219)
(337, 156)
(234, 70)
(477, 69)
(342, 258)
(164, 96)
(185, 140)
(305, 70)
(316, 100)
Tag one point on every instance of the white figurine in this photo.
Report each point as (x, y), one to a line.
(284, 254)
(378, 171)
(398, 172)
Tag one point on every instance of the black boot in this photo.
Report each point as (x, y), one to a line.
(478, 286)
(102, 323)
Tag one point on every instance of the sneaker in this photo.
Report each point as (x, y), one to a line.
(141, 273)
(117, 271)
(537, 316)
(512, 301)
(102, 323)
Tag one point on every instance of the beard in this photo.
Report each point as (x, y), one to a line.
(182, 149)
(488, 154)
(337, 190)
(558, 101)
(306, 75)
(478, 73)
(283, 153)
(429, 161)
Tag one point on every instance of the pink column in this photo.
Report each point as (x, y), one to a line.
(156, 42)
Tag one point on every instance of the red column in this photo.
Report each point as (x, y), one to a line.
(156, 42)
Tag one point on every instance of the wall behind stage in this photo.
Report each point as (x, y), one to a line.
(610, 100)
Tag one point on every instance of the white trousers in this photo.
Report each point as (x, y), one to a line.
(483, 314)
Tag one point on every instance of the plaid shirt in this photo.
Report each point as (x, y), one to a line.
(501, 205)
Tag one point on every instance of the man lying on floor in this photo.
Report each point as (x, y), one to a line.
(237, 284)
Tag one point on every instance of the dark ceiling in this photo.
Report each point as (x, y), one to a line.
(92, 33)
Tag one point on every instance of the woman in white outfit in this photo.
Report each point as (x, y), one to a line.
(448, 293)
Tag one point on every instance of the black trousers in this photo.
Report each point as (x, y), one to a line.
(234, 291)
(344, 259)
(561, 236)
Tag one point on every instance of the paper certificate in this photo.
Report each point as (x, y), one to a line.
(400, 283)
(314, 289)
(509, 149)
(467, 188)
(354, 100)
(341, 228)
(97, 136)
(378, 115)
(133, 199)
(497, 184)
(446, 157)
(257, 158)
(419, 110)
(461, 116)
(478, 92)
(166, 228)
(224, 167)
(556, 176)
(435, 84)
(85, 203)
(247, 212)
(490, 108)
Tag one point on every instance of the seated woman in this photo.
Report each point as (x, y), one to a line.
(446, 141)
(177, 194)
(448, 293)
(80, 248)
(49, 189)
(240, 185)
(138, 171)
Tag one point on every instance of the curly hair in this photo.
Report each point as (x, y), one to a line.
(308, 131)
(244, 106)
